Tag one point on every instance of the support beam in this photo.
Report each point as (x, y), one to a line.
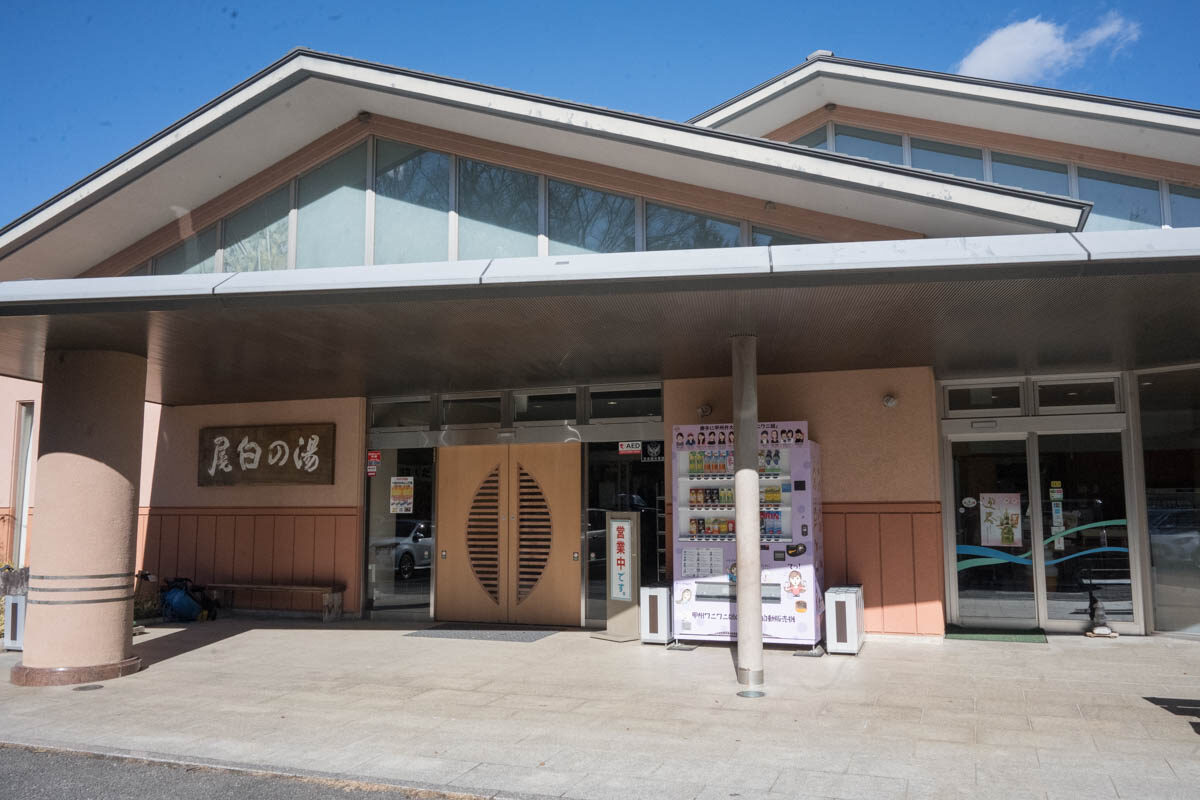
(745, 492)
(84, 534)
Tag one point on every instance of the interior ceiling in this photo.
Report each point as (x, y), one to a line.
(268, 348)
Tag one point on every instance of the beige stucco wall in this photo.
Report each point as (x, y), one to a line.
(170, 468)
(869, 453)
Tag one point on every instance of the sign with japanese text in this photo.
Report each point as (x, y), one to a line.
(400, 497)
(1000, 520)
(620, 559)
(263, 454)
(374, 459)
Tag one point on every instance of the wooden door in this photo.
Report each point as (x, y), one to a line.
(472, 520)
(544, 502)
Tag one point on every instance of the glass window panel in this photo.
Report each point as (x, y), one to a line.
(675, 229)
(471, 411)
(764, 237)
(1030, 173)
(544, 407)
(401, 545)
(1120, 202)
(196, 254)
(983, 398)
(952, 159)
(497, 211)
(1100, 393)
(402, 414)
(412, 204)
(256, 238)
(1185, 207)
(1170, 411)
(619, 403)
(817, 140)
(584, 220)
(868, 144)
(332, 223)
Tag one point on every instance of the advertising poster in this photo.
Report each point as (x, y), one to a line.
(620, 542)
(401, 498)
(1000, 520)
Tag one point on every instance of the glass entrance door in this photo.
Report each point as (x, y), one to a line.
(1040, 529)
(992, 526)
(1085, 530)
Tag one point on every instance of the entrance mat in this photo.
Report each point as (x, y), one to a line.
(484, 632)
(1034, 636)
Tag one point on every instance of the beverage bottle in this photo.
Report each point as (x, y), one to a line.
(729, 468)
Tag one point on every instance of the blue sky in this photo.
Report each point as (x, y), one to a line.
(84, 82)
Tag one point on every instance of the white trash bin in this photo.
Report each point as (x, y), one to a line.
(656, 614)
(844, 619)
(14, 622)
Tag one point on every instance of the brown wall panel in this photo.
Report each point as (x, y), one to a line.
(6, 535)
(929, 583)
(300, 546)
(894, 551)
(896, 559)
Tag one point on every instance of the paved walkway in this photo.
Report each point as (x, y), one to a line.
(572, 716)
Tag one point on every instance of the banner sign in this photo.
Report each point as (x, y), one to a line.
(620, 550)
(400, 498)
(259, 454)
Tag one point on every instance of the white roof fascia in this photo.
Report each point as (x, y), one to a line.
(1164, 243)
(1057, 103)
(887, 180)
(975, 251)
(351, 279)
(154, 150)
(104, 290)
(708, 263)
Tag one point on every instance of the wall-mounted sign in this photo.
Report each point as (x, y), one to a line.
(620, 552)
(250, 454)
(1000, 520)
(652, 451)
(400, 496)
(374, 458)
(629, 448)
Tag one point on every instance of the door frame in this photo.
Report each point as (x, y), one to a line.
(1027, 429)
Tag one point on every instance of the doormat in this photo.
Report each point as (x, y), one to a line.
(1035, 636)
(488, 633)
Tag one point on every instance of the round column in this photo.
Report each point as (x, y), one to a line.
(84, 529)
(745, 498)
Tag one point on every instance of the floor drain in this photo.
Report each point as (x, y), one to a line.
(87, 688)
(751, 693)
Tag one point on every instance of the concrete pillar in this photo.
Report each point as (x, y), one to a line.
(745, 496)
(84, 531)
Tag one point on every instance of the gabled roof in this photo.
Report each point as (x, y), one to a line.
(1127, 126)
(306, 94)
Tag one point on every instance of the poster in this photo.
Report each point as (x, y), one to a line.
(374, 458)
(620, 559)
(1000, 520)
(401, 499)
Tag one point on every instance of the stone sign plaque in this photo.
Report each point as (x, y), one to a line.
(256, 454)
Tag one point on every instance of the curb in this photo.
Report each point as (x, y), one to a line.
(415, 789)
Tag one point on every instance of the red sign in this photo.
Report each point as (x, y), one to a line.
(374, 457)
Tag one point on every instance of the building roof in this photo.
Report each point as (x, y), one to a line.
(1166, 132)
(306, 94)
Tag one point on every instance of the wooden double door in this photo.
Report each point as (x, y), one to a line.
(508, 534)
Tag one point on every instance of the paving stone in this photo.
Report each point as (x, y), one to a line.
(504, 777)
(627, 787)
(838, 785)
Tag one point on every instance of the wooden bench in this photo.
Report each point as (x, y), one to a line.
(331, 596)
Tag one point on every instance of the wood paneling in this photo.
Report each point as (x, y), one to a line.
(996, 140)
(779, 216)
(895, 551)
(6, 536)
(301, 546)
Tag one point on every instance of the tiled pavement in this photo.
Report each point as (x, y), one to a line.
(577, 717)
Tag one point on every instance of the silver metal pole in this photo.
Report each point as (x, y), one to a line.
(745, 491)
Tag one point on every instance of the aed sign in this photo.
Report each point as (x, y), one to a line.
(629, 448)
(620, 559)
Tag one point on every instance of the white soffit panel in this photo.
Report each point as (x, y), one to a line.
(923, 253)
(741, 261)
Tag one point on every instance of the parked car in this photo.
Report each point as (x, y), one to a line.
(412, 547)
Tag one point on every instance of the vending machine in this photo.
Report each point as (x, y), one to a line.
(704, 599)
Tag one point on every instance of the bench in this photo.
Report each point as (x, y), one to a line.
(331, 596)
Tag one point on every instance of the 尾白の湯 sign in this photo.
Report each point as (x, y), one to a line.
(247, 454)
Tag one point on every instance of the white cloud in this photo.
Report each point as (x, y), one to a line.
(1034, 50)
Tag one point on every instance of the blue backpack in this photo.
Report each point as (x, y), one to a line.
(179, 606)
